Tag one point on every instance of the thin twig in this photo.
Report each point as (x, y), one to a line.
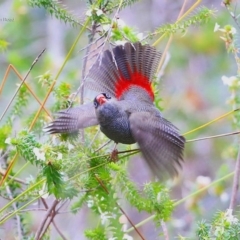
(215, 136)
(20, 85)
(233, 15)
(11, 67)
(92, 43)
(2, 172)
(40, 231)
(165, 230)
(235, 186)
(105, 144)
(111, 27)
(18, 219)
(54, 224)
(59, 232)
(94, 138)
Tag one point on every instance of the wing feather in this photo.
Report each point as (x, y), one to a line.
(124, 66)
(159, 141)
(72, 119)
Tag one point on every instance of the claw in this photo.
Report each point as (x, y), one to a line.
(114, 154)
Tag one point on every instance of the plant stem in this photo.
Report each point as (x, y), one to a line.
(235, 186)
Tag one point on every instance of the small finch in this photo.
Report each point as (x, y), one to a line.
(124, 108)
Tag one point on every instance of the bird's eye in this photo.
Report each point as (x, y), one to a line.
(95, 103)
(107, 96)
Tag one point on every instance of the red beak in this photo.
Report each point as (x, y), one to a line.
(101, 99)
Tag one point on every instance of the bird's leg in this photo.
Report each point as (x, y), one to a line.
(114, 154)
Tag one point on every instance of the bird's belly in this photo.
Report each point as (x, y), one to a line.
(118, 131)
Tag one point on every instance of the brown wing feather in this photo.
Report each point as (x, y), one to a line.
(73, 119)
(159, 141)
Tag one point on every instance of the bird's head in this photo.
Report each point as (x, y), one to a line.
(100, 99)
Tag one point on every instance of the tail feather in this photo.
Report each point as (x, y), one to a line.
(131, 64)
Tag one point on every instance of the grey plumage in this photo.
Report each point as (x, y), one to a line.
(125, 110)
(72, 119)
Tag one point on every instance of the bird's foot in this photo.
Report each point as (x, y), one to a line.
(114, 155)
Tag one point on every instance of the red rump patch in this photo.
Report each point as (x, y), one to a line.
(136, 79)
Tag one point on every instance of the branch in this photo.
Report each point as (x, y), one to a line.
(235, 182)
(54, 224)
(23, 81)
(233, 15)
(165, 230)
(49, 213)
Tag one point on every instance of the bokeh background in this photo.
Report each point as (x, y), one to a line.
(191, 90)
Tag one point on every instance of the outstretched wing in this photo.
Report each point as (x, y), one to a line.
(159, 141)
(72, 119)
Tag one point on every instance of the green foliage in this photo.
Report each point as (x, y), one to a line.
(21, 102)
(5, 131)
(55, 184)
(202, 16)
(26, 144)
(224, 226)
(154, 198)
(96, 234)
(109, 6)
(54, 8)
(124, 33)
(62, 93)
(47, 161)
(45, 79)
(3, 45)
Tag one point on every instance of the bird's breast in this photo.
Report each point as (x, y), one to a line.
(114, 123)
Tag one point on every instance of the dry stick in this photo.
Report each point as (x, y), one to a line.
(123, 212)
(48, 214)
(10, 166)
(2, 172)
(10, 66)
(54, 224)
(94, 138)
(111, 27)
(89, 45)
(49, 222)
(215, 136)
(235, 182)
(105, 144)
(24, 79)
(59, 232)
(212, 121)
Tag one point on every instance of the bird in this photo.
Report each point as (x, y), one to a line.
(124, 108)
